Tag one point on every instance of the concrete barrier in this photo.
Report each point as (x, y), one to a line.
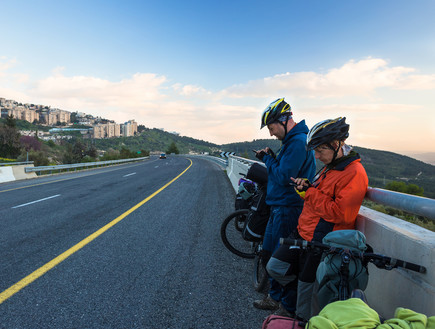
(236, 166)
(6, 174)
(392, 237)
(20, 173)
(399, 239)
(15, 172)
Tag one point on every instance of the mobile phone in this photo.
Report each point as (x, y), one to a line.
(292, 184)
(255, 151)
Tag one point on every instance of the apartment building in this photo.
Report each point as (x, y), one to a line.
(106, 130)
(21, 113)
(98, 131)
(129, 128)
(52, 116)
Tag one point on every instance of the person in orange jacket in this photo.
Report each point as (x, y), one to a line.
(332, 202)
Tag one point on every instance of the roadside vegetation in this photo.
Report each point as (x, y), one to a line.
(14, 147)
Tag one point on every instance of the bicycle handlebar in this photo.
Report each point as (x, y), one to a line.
(380, 261)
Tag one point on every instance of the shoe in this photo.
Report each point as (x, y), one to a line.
(358, 293)
(267, 303)
(283, 312)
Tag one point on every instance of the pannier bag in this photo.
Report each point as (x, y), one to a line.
(246, 190)
(240, 203)
(257, 173)
(328, 276)
(280, 322)
(255, 225)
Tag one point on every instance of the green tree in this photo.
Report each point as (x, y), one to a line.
(405, 188)
(92, 151)
(78, 151)
(140, 128)
(10, 121)
(172, 149)
(39, 158)
(10, 146)
(415, 190)
(67, 156)
(396, 186)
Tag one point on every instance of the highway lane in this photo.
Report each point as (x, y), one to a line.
(162, 266)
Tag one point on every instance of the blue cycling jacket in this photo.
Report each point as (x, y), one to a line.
(292, 160)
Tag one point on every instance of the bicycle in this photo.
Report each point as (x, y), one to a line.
(234, 227)
(380, 261)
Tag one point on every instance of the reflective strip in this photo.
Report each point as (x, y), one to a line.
(255, 235)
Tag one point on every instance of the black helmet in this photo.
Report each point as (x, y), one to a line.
(327, 131)
(274, 111)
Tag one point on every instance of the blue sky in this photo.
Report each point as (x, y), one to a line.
(207, 69)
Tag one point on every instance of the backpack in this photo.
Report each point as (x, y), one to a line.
(327, 275)
(256, 223)
(280, 322)
(258, 174)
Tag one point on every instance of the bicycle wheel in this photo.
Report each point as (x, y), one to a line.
(261, 279)
(232, 237)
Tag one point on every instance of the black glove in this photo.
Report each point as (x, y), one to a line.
(306, 187)
(260, 155)
(270, 152)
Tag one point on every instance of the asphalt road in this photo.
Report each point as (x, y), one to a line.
(158, 262)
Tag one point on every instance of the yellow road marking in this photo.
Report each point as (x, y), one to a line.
(45, 268)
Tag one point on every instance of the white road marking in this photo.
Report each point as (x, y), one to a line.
(133, 173)
(26, 204)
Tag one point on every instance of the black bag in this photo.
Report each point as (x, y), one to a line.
(241, 203)
(257, 173)
(255, 225)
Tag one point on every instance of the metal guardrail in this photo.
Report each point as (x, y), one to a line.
(15, 163)
(406, 202)
(79, 165)
(410, 203)
(219, 161)
(245, 161)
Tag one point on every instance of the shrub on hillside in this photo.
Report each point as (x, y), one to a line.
(39, 158)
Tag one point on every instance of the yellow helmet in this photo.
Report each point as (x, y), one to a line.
(275, 111)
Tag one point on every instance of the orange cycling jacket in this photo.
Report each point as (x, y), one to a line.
(333, 202)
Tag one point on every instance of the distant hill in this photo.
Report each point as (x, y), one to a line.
(382, 167)
(156, 140)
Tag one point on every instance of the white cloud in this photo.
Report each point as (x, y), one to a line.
(356, 90)
(354, 78)
(190, 90)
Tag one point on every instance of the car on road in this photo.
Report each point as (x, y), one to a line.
(162, 156)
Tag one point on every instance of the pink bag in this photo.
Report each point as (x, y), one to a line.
(280, 322)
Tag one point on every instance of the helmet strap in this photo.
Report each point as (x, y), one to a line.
(285, 124)
(335, 150)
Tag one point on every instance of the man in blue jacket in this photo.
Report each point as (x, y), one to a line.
(292, 160)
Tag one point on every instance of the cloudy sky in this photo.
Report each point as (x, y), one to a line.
(207, 69)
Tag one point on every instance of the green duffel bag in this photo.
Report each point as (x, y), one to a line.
(328, 275)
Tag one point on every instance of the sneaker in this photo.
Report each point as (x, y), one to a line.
(267, 303)
(358, 293)
(283, 312)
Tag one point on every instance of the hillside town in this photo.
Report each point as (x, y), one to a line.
(64, 121)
